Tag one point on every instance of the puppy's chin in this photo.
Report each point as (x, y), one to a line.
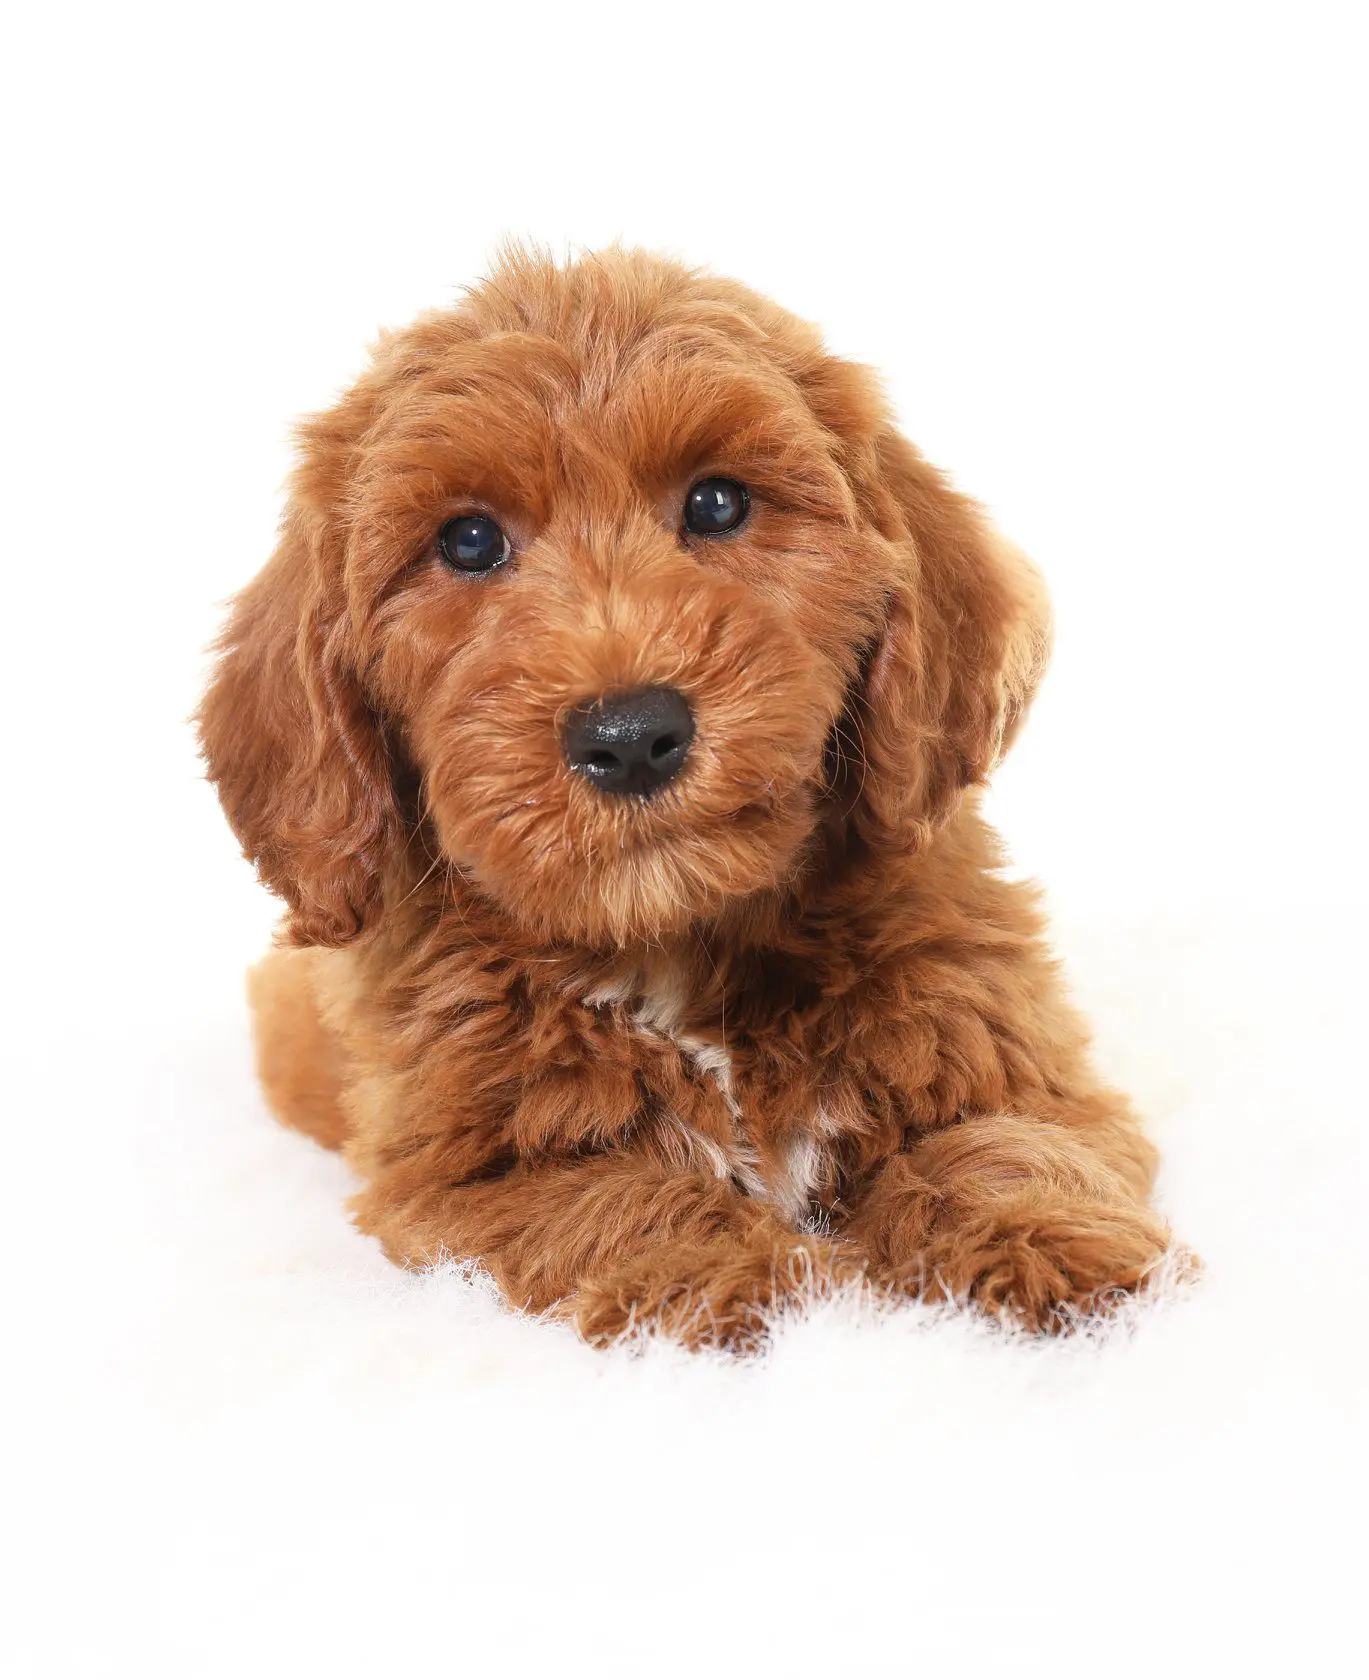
(639, 888)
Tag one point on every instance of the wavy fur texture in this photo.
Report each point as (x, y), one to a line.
(671, 1062)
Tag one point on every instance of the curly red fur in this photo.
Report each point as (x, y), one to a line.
(672, 1060)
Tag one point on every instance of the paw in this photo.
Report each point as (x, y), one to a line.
(719, 1297)
(1043, 1265)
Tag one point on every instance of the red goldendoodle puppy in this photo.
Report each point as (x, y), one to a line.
(609, 719)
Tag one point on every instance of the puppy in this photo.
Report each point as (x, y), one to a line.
(610, 720)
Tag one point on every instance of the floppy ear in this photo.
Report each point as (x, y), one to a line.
(300, 762)
(965, 641)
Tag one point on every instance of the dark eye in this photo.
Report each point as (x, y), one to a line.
(472, 543)
(715, 505)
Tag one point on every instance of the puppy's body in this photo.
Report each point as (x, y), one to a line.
(661, 1059)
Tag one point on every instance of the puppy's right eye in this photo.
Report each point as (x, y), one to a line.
(715, 505)
(473, 543)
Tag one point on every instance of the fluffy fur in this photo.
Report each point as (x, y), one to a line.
(668, 1060)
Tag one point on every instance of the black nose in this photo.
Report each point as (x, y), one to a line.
(630, 743)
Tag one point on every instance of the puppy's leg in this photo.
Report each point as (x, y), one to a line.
(1038, 1220)
(615, 1242)
(300, 1061)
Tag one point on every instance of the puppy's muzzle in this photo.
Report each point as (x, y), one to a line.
(630, 743)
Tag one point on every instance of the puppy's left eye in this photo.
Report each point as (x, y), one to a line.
(473, 543)
(715, 505)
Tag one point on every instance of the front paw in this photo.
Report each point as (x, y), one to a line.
(1042, 1264)
(721, 1296)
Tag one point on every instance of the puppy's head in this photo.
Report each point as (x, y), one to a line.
(619, 584)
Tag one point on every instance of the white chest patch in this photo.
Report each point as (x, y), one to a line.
(789, 1184)
(806, 1161)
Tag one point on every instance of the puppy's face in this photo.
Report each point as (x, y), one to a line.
(615, 596)
(621, 564)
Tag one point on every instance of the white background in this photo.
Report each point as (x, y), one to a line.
(1111, 262)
